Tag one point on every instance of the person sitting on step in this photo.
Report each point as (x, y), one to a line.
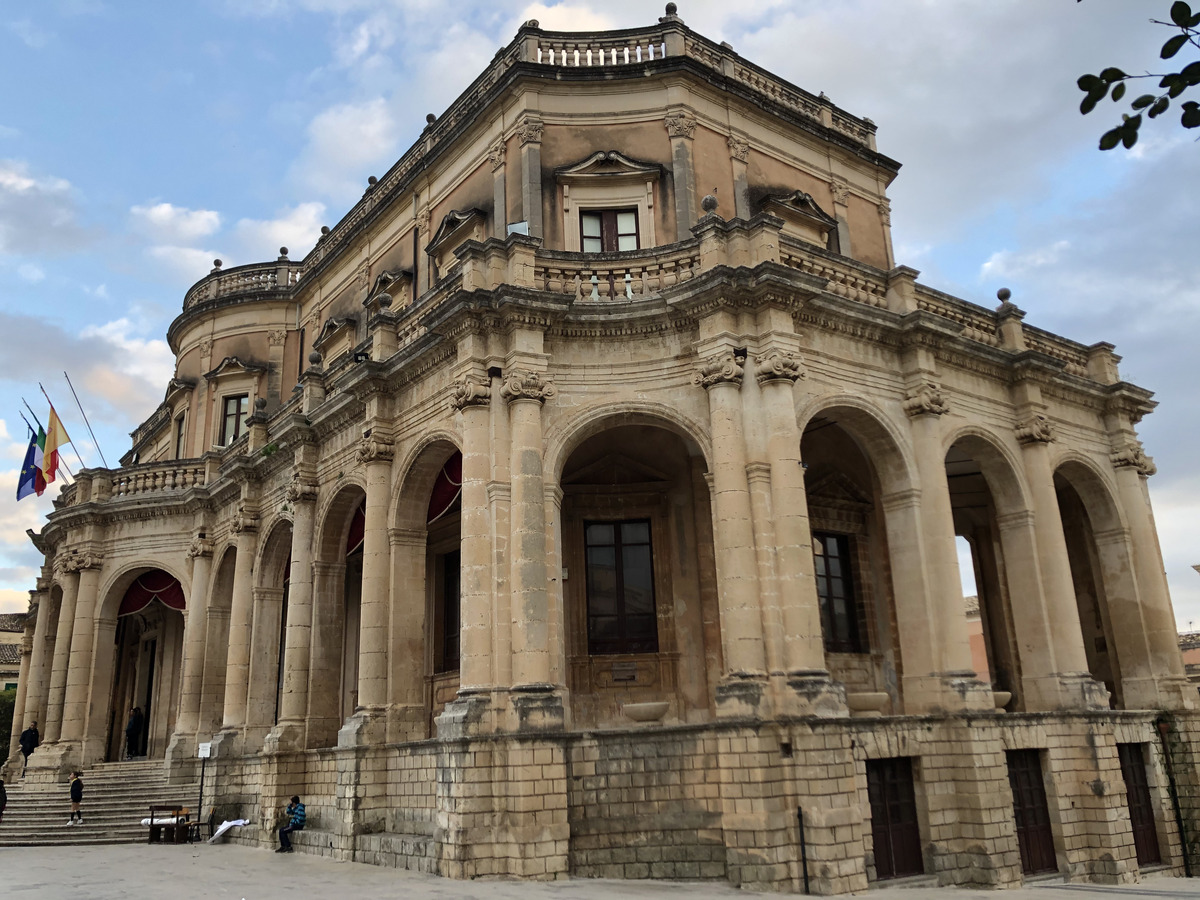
(295, 817)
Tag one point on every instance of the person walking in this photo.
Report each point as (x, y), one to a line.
(29, 741)
(76, 799)
(295, 816)
(133, 733)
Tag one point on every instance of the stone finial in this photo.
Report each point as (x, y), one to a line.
(384, 300)
(724, 368)
(430, 118)
(324, 230)
(776, 365)
(469, 392)
(1037, 429)
(315, 357)
(372, 181)
(216, 266)
(533, 23)
(672, 9)
(925, 399)
(709, 204)
(1003, 295)
(283, 253)
(525, 385)
(260, 404)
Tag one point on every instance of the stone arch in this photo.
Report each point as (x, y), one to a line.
(562, 438)
(420, 468)
(1095, 488)
(115, 584)
(1000, 467)
(271, 575)
(333, 519)
(881, 440)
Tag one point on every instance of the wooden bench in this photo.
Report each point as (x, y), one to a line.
(169, 825)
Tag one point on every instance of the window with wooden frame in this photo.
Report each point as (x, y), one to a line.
(621, 616)
(836, 592)
(234, 408)
(608, 230)
(180, 436)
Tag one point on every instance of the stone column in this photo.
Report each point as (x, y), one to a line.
(263, 680)
(26, 652)
(293, 705)
(35, 693)
(375, 453)
(79, 671)
(1077, 687)
(739, 156)
(952, 682)
(680, 128)
(733, 533)
(473, 399)
(62, 654)
(216, 660)
(241, 614)
(496, 154)
(529, 132)
(187, 722)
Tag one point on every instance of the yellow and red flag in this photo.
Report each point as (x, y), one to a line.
(56, 436)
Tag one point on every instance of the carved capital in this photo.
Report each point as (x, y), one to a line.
(926, 399)
(245, 520)
(885, 211)
(496, 154)
(529, 130)
(423, 220)
(87, 559)
(470, 392)
(205, 347)
(1034, 430)
(201, 546)
(680, 125)
(738, 149)
(840, 191)
(777, 365)
(300, 490)
(1132, 454)
(722, 369)
(276, 338)
(524, 385)
(374, 448)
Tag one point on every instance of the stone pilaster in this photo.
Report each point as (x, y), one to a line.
(529, 132)
(187, 722)
(62, 654)
(472, 398)
(496, 156)
(79, 671)
(681, 128)
(241, 613)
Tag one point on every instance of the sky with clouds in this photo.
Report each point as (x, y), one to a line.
(141, 140)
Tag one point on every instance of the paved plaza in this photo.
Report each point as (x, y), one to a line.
(119, 872)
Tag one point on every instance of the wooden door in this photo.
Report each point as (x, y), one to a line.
(1031, 812)
(1141, 809)
(894, 827)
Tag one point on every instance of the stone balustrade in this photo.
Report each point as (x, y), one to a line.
(257, 278)
(979, 324)
(846, 278)
(1073, 355)
(100, 485)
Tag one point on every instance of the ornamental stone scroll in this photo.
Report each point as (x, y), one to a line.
(679, 125)
(470, 392)
(374, 448)
(88, 559)
(530, 130)
(778, 365)
(722, 369)
(496, 154)
(526, 385)
(1132, 455)
(925, 399)
(245, 520)
(300, 490)
(739, 149)
(1037, 429)
(200, 546)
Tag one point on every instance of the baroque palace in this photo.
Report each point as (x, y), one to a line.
(585, 503)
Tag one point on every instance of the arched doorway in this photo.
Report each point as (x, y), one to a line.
(149, 651)
(443, 566)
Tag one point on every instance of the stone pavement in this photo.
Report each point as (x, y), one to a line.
(167, 872)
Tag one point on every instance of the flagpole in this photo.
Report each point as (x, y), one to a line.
(85, 419)
(82, 464)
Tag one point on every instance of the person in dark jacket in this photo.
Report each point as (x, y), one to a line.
(29, 741)
(295, 817)
(133, 733)
(76, 799)
(3, 799)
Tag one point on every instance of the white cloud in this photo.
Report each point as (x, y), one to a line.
(31, 35)
(38, 213)
(31, 273)
(296, 228)
(562, 17)
(165, 223)
(14, 601)
(1007, 263)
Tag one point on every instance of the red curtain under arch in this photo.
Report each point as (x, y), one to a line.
(150, 586)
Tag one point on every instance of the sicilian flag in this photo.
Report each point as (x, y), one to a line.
(56, 436)
(32, 481)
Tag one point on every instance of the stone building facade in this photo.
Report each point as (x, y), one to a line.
(585, 503)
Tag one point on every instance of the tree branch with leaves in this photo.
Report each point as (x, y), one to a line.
(1113, 82)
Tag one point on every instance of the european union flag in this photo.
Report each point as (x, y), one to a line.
(31, 474)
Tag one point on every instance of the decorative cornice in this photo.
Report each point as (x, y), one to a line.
(1131, 454)
(374, 448)
(496, 154)
(201, 546)
(925, 399)
(778, 365)
(738, 149)
(529, 130)
(1034, 430)
(680, 125)
(722, 369)
(470, 392)
(525, 385)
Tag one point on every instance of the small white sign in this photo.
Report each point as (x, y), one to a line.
(205, 750)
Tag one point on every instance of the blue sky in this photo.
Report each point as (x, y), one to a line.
(140, 140)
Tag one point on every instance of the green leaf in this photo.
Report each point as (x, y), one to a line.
(1110, 139)
(1111, 74)
(1087, 82)
(1129, 136)
(1178, 86)
(1191, 73)
(1181, 13)
(1191, 115)
(1143, 101)
(1118, 91)
(1087, 104)
(1173, 46)
(1159, 108)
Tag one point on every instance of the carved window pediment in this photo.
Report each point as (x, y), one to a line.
(608, 165)
(176, 387)
(456, 227)
(608, 181)
(336, 337)
(397, 283)
(802, 217)
(231, 365)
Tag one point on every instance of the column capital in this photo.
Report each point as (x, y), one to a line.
(739, 149)
(779, 365)
(83, 559)
(925, 399)
(374, 448)
(680, 125)
(496, 153)
(1131, 454)
(522, 384)
(301, 490)
(724, 368)
(200, 546)
(244, 521)
(1036, 429)
(470, 392)
(529, 130)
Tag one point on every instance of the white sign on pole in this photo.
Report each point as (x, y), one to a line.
(205, 750)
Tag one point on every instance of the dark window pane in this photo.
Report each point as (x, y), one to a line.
(835, 591)
(620, 588)
(635, 532)
(599, 534)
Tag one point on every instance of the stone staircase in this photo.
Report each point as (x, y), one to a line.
(116, 797)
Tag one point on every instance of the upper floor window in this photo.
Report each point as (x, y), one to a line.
(235, 410)
(608, 230)
(180, 434)
(835, 590)
(620, 588)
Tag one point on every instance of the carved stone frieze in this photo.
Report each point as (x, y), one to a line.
(276, 338)
(777, 365)
(529, 130)
(374, 448)
(525, 385)
(200, 546)
(496, 154)
(925, 399)
(680, 125)
(738, 149)
(722, 369)
(470, 392)
(1131, 454)
(1036, 429)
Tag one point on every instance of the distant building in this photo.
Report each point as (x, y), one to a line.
(585, 503)
(12, 634)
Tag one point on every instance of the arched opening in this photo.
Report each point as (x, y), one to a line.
(637, 554)
(216, 645)
(443, 563)
(850, 552)
(148, 653)
(269, 628)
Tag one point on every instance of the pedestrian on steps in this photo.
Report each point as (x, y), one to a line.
(29, 741)
(133, 733)
(3, 799)
(76, 799)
